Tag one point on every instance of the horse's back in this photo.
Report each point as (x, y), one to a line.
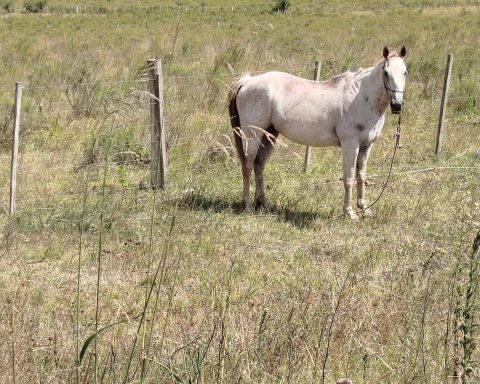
(275, 84)
(285, 90)
(273, 92)
(259, 96)
(302, 110)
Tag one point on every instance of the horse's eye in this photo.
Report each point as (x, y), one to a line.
(385, 72)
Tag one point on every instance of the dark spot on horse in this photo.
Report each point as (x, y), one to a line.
(290, 86)
(360, 127)
(367, 99)
(334, 128)
(381, 104)
(268, 140)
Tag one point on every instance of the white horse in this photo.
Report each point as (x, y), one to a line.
(346, 111)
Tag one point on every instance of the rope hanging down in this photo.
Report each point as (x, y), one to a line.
(397, 145)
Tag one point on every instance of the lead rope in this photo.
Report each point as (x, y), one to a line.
(397, 145)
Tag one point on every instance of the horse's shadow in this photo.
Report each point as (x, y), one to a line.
(296, 217)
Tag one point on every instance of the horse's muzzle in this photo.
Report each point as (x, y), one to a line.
(396, 107)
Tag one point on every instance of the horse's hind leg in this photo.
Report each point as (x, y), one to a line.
(247, 144)
(246, 172)
(264, 152)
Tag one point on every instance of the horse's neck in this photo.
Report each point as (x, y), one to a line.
(374, 90)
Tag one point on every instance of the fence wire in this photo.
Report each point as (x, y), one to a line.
(325, 7)
(48, 171)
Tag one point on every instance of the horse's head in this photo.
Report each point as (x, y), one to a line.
(394, 74)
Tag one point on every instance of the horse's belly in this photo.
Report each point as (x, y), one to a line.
(315, 135)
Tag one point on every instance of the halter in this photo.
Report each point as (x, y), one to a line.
(386, 86)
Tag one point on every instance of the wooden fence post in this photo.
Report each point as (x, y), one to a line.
(16, 138)
(308, 150)
(443, 105)
(158, 168)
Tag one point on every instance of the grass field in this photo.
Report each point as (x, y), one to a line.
(181, 286)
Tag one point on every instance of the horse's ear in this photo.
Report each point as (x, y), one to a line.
(385, 52)
(403, 52)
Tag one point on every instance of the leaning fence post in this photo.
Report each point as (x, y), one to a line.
(158, 169)
(443, 105)
(16, 138)
(308, 150)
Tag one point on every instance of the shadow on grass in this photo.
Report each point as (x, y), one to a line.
(296, 217)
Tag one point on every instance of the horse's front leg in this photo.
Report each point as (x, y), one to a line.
(362, 160)
(349, 152)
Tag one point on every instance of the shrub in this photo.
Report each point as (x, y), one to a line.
(122, 146)
(84, 91)
(7, 6)
(281, 6)
(464, 97)
(35, 6)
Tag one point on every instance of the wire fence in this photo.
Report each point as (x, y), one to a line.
(57, 172)
(324, 7)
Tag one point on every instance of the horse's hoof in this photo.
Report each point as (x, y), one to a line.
(259, 204)
(367, 212)
(351, 215)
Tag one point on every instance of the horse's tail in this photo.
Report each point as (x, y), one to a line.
(235, 117)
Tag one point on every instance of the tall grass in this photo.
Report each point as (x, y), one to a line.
(99, 261)
(469, 314)
(79, 266)
(183, 286)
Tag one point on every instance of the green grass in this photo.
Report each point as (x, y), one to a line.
(291, 294)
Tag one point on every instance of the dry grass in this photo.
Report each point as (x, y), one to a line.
(292, 294)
